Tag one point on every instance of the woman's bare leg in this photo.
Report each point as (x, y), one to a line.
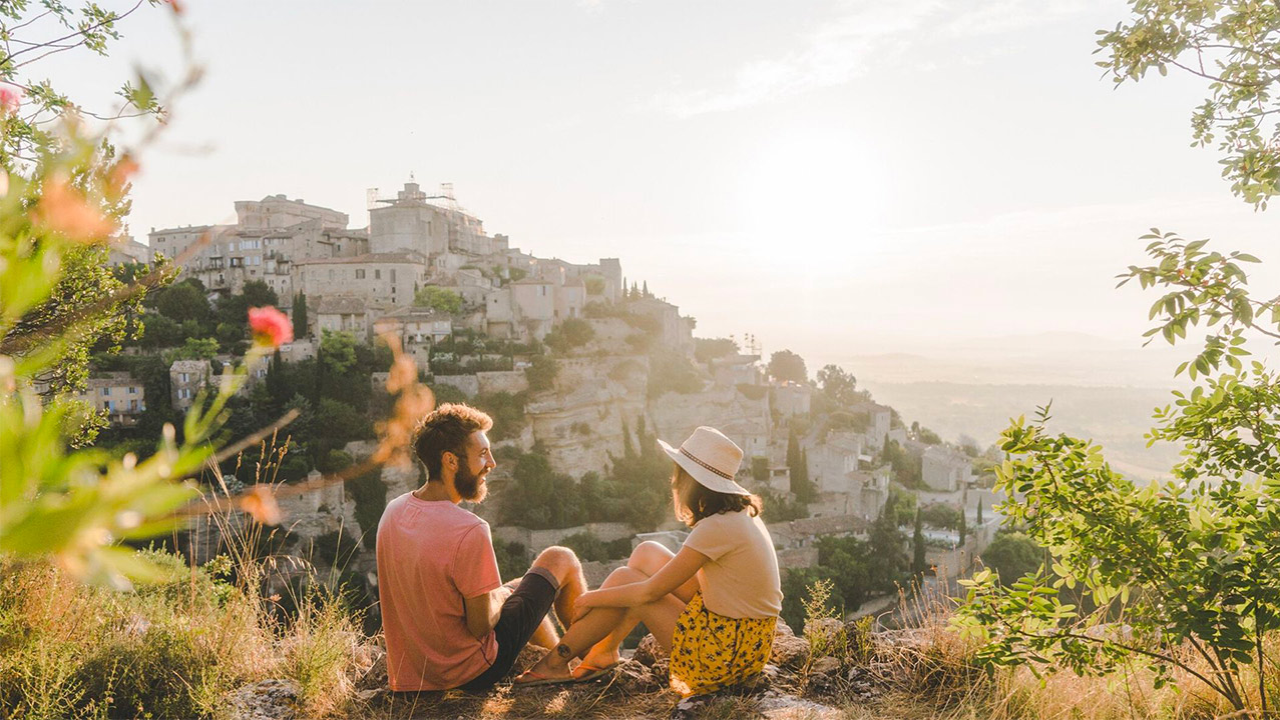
(647, 558)
(659, 616)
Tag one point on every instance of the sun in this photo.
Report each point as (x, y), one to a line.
(813, 186)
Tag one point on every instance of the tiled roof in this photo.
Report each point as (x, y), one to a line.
(340, 305)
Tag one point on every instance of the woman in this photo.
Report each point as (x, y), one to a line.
(712, 606)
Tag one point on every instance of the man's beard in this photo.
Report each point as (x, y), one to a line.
(468, 485)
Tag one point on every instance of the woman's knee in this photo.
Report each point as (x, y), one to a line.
(649, 557)
(624, 576)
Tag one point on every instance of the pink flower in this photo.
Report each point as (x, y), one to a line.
(10, 98)
(270, 326)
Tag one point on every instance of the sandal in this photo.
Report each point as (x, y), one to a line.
(593, 672)
(540, 679)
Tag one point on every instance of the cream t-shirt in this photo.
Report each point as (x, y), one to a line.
(741, 580)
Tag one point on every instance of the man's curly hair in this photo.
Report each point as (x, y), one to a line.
(446, 429)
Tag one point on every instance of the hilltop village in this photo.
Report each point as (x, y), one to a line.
(580, 369)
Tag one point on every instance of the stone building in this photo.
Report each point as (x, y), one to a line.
(384, 281)
(119, 394)
(430, 225)
(945, 469)
(186, 378)
(341, 314)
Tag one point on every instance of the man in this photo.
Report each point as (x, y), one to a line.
(449, 621)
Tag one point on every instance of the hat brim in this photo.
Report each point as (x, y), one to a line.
(705, 477)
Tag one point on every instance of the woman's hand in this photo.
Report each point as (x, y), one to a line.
(583, 605)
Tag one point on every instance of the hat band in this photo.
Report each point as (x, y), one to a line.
(715, 470)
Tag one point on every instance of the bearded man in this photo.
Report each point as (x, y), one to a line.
(449, 621)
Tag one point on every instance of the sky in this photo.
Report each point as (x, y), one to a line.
(841, 179)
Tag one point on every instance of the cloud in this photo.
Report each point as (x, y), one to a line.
(861, 35)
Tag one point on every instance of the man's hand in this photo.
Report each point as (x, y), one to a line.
(484, 610)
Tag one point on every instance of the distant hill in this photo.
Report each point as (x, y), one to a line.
(1115, 417)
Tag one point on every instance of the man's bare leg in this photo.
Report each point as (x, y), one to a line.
(567, 570)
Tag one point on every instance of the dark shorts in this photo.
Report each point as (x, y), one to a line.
(521, 615)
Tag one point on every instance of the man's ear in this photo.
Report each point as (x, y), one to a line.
(449, 458)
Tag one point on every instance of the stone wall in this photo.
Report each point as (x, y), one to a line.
(468, 384)
(537, 540)
(802, 557)
(511, 381)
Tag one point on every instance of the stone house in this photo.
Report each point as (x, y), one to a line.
(341, 314)
(790, 398)
(186, 378)
(945, 469)
(118, 394)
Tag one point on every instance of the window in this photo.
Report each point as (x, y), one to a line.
(133, 404)
(184, 376)
(393, 274)
(377, 274)
(106, 392)
(184, 393)
(231, 247)
(359, 274)
(133, 390)
(106, 404)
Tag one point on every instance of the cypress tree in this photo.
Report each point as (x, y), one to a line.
(300, 315)
(917, 547)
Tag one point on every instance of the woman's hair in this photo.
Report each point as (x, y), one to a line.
(694, 501)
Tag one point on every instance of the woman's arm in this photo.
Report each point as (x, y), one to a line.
(672, 575)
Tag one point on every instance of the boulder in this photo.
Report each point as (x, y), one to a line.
(649, 651)
(789, 651)
(637, 678)
(825, 666)
(264, 700)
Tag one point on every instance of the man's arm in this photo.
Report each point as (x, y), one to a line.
(483, 611)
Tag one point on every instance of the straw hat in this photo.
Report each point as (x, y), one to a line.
(710, 458)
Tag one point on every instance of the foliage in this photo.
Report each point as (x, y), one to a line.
(439, 299)
(785, 365)
(507, 411)
(781, 508)
(337, 353)
(370, 496)
(194, 349)
(671, 371)
(707, 349)
(539, 498)
(300, 318)
(1012, 555)
(591, 548)
(918, 562)
(570, 334)
(513, 559)
(908, 465)
(1235, 46)
(900, 506)
(924, 434)
(840, 386)
(541, 374)
(798, 464)
(941, 516)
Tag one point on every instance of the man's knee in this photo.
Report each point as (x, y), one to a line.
(649, 557)
(561, 561)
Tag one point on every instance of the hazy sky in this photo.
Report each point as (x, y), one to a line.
(838, 178)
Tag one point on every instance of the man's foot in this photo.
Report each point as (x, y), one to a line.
(552, 669)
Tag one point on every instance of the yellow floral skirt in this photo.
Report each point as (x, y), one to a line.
(710, 651)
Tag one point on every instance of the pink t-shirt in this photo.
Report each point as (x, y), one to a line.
(431, 555)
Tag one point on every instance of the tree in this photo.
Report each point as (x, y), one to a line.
(439, 299)
(541, 373)
(839, 386)
(183, 301)
(1189, 564)
(300, 318)
(798, 466)
(570, 334)
(1012, 555)
(338, 350)
(785, 366)
(1234, 46)
(195, 349)
(707, 349)
(918, 561)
